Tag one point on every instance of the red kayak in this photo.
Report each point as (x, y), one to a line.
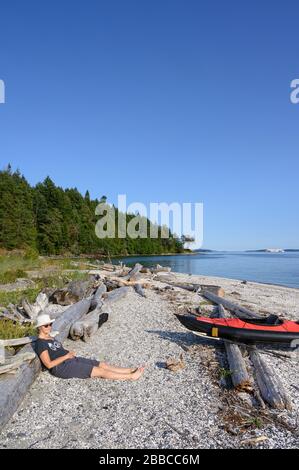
(267, 330)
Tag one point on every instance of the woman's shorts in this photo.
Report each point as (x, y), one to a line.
(78, 367)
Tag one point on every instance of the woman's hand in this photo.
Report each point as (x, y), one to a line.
(70, 355)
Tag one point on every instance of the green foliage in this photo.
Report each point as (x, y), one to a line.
(49, 220)
(31, 254)
(224, 373)
(11, 276)
(16, 296)
(12, 330)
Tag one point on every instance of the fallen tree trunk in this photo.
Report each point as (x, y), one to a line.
(96, 300)
(14, 388)
(167, 278)
(159, 269)
(115, 295)
(138, 288)
(64, 322)
(239, 311)
(113, 283)
(12, 316)
(87, 327)
(239, 374)
(107, 267)
(270, 385)
(15, 362)
(133, 273)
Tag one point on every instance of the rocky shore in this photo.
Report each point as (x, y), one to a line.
(192, 407)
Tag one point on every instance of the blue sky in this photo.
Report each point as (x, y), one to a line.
(164, 101)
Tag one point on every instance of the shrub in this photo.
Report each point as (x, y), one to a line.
(11, 330)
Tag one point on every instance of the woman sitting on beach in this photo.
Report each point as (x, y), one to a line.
(64, 364)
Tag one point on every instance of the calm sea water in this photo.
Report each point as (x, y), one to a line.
(274, 268)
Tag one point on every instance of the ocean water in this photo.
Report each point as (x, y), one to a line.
(271, 268)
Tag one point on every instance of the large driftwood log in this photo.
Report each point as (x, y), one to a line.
(32, 311)
(14, 388)
(87, 326)
(113, 283)
(138, 288)
(14, 362)
(11, 316)
(270, 385)
(133, 273)
(115, 295)
(238, 310)
(96, 300)
(167, 278)
(237, 366)
(157, 269)
(71, 315)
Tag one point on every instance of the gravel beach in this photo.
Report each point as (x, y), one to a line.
(186, 409)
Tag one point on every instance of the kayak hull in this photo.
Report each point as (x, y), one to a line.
(241, 331)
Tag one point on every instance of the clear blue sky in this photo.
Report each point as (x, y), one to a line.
(184, 101)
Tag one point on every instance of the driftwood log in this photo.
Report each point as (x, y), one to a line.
(167, 278)
(88, 325)
(14, 387)
(115, 295)
(14, 362)
(64, 322)
(271, 388)
(96, 300)
(238, 310)
(133, 273)
(139, 289)
(239, 374)
(158, 269)
(13, 316)
(270, 385)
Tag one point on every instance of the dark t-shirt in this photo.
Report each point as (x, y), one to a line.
(54, 348)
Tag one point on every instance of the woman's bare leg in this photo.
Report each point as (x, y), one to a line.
(120, 370)
(108, 374)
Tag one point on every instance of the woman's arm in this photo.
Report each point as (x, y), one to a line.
(45, 358)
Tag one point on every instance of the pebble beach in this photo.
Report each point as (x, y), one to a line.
(191, 408)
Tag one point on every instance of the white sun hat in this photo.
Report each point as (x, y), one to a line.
(43, 319)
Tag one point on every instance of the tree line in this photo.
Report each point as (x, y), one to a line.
(53, 221)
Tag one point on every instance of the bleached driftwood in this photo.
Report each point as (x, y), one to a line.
(167, 278)
(12, 315)
(40, 304)
(115, 295)
(270, 385)
(239, 374)
(133, 273)
(88, 326)
(158, 268)
(238, 310)
(138, 288)
(71, 315)
(96, 300)
(15, 362)
(14, 388)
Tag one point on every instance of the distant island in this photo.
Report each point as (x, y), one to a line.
(274, 250)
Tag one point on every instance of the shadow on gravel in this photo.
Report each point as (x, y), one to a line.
(185, 340)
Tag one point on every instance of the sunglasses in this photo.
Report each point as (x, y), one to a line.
(47, 326)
